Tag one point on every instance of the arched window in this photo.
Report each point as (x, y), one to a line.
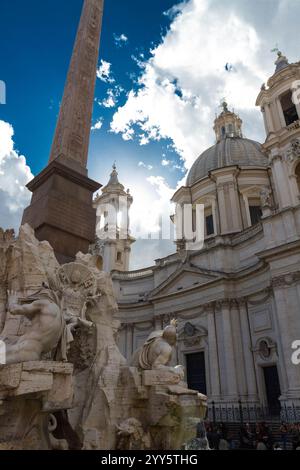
(297, 172)
(119, 257)
(288, 108)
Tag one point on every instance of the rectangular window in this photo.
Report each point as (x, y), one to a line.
(209, 222)
(195, 370)
(255, 214)
(272, 387)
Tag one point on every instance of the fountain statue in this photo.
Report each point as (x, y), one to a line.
(65, 384)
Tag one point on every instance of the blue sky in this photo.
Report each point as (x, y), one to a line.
(36, 43)
(157, 105)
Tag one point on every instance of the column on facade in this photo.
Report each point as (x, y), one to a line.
(294, 189)
(247, 352)
(109, 255)
(214, 366)
(129, 340)
(127, 252)
(179, 226)
(215, 216)
(222, 209)
(269, 118)
(287, 301)
(235, 207)
(265, 119)
(281, 119)
(238, 348)
(246, 204)
(282, 183)
(232, 388)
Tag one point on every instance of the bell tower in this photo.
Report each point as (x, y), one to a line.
(113, 239)
(279, 101)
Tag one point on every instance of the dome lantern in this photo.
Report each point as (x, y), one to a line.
(227, 124)
(281, 62)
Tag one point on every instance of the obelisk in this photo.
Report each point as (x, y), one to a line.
(61, 210)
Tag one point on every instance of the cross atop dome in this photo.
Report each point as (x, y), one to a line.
(227, 124)
(114, 187)
(224, 105)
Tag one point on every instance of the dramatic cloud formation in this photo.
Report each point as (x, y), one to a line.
(14, 175)
(213, 49)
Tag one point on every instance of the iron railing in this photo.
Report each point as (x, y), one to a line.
(240, 412)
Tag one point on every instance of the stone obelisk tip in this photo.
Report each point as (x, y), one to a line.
(71, 140)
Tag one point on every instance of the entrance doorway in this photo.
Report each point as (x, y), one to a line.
(272, 386)
(195, 369)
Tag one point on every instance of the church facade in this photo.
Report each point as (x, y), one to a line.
(237, 300)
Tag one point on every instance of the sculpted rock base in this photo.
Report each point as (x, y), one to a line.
(28, 393)
(145, 416)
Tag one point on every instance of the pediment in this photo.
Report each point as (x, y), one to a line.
(182, 279)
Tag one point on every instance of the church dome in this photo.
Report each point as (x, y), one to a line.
(228, 151)
(231, 148)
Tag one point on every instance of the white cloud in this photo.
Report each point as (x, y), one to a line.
(110, 100)
(112, 96)
(172, 165)
(120, 40)
(14, 175)
(98, 125)
(143, 165)
(180, 87)
(151, 202)
(128, 134)
(182, 84)
(104, 72)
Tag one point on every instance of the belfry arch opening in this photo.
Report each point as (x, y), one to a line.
(288, 108)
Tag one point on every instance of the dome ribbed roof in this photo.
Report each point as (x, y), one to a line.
(227, 152)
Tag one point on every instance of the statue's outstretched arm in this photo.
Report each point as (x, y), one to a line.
(27, 310)
(163, 358)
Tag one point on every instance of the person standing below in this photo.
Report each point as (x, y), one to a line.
(295, 435)
(283, 435)
(245, 438)
(261, 445)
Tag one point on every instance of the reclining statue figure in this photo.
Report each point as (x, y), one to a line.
(157, 351)
(44, 333)
(156, 354)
